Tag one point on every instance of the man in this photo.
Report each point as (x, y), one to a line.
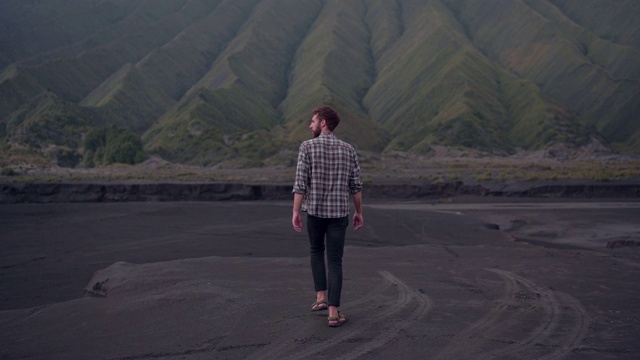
(327, 175)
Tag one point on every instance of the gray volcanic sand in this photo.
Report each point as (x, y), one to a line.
(231, 281)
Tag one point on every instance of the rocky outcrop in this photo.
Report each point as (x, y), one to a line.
(117, 192)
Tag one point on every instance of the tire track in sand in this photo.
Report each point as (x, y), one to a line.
(276, 349)
(424, 305)
(560, 329)
(286, 348)
(546, 333)
(459, 345)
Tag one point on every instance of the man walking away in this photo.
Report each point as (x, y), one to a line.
(327, 175)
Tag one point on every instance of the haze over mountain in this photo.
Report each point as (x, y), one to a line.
(201, 81)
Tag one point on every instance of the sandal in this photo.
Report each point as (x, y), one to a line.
(335, 321)
(319, 305)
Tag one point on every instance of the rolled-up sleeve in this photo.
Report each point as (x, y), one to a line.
(300, 185)
(355, 185)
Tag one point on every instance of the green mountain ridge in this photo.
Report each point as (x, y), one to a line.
(202, 82)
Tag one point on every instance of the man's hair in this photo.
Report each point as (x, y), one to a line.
(329, 114)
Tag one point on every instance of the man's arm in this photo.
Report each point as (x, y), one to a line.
(358, 221)
(299, 188)
(296, 219)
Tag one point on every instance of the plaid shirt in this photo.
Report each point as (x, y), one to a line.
(327, 175)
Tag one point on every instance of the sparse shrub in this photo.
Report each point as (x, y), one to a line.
(123, 147)
(67, 157)
(94, 139)
(484, 176)
(87, 158)
(438, 179)
(112, 145)
(7, 171)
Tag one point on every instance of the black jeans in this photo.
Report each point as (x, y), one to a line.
(334, 230)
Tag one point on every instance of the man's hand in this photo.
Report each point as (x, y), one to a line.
(357, 216)
(357, 221)
(296, 221)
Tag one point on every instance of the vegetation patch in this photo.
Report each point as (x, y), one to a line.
(112, 145)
